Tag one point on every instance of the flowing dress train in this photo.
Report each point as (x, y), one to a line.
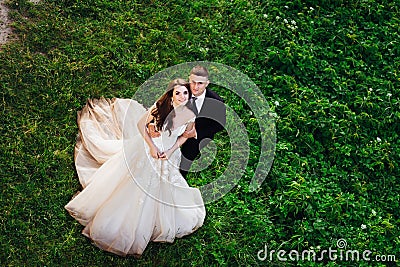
(128, 198)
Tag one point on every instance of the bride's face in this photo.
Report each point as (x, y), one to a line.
(180, 95)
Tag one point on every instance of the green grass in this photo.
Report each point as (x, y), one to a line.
(329, 69)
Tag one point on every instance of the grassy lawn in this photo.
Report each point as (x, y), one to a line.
(328, 69)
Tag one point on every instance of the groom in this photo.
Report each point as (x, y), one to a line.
(210, 117)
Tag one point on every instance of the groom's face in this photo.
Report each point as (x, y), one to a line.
(198, 84)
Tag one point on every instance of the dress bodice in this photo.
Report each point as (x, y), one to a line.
(167, 140)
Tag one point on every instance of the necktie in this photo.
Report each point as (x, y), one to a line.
(194, 107)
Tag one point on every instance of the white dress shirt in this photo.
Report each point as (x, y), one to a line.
(200, 101)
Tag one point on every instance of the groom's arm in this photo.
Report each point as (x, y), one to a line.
(213, 122)
(190, 133)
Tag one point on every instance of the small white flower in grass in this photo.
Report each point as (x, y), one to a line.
(265, 16)
(285, 20)
(373, 213)
(370, 89)
(286, 7)
(311, 8)
(278, 18)
(389, 94)
(363, 226)
(293, 22)
(378, 139)
(276, 103)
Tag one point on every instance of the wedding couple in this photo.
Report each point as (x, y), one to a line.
(132, 164)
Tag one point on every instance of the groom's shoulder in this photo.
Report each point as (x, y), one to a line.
(210, 93)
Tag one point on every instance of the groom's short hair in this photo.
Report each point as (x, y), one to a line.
(199, 71)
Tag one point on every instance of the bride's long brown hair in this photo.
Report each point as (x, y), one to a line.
(164, 110)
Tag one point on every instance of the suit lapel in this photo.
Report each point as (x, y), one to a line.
(204, 107)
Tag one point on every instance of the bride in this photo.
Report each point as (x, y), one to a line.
(133, 192)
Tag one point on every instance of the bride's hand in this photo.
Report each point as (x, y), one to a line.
(161, 155)
(154, 152)
(166, 155)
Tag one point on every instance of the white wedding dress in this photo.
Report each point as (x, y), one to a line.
(128, 198)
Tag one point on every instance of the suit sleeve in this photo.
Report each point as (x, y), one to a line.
(212, 120)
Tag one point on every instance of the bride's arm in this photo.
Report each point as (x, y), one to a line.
(142, 123)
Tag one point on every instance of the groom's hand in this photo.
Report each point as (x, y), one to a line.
(190, 133)
(151, 129)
